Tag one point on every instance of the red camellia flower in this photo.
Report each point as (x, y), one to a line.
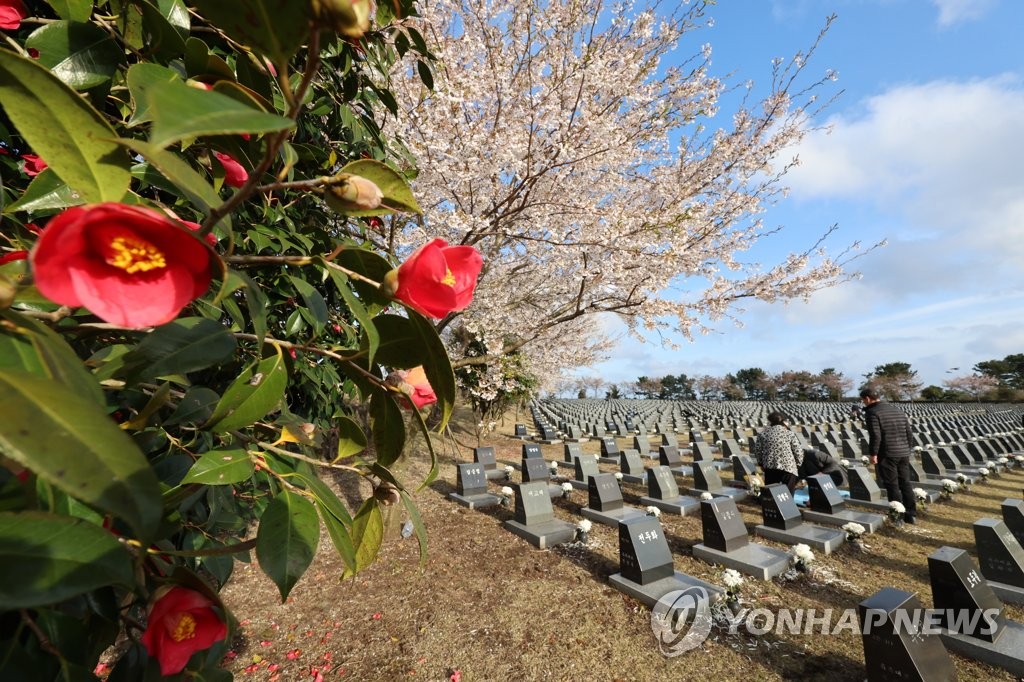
(235, 174)
(12, 256)
(436, 279)
(11, 14)
(421, 393)
(129, 265)
(181, 622)
(33, 164)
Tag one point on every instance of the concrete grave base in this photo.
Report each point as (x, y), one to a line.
(553, 441)
(1008, 593)
(608, 460)
(650, 593)
(543, 535)
(497, 474)
(681, 505)
(752, 559)
(566, 465)
(579, 485)
(825, 540)
(611, 518)
(737, 494)
(879, 505)
(476, 501)
(684, 470)
(871, 522)
(630, 478)
(1006, 652)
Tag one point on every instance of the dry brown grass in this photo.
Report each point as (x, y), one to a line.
(491, 607)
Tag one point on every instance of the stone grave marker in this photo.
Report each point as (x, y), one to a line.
(485, 455)
(535, 519)
(604, 501)
(828, 507)
(670, 439)
(642, 445)
(893, 651)
(933, 465)
(631, 466)
(532, 451)
(574, 434)
(1013, 517)
(569, 454)
(609, 450)
(535, 469)
(706, 479)
(722, 525)
(783, 522)
(520, 431)
(730, 448)
(726, 542)
(864, 490)
(471, 486)
(778, 510)
(663, 493)
(549, 435)
(742, 467)
(1001, 559)
(585, 468)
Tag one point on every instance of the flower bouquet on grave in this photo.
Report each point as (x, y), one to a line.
(566, 489)
(506, 495)
(896, 512)
(553, 465)
(653, 511)
(1004, 461)
(583, 530)
(1019, 460)
(921, 498)
(618, 478)
(706, 496)
(802, 557)
(865, 460)
(983, 472)
(733, 582)
(854, 533)
(963, 481)
(845, 463)
(949, 488)
(754, 485)
(508, 472)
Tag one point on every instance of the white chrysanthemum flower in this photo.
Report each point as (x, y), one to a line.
(803, 554)
(756, 482)
(845, 463)
(983, 472)
(506, 491)
(949, 486)
(920, 494)
(854, 528)
(566, 487)
(865, 459)
(731, 578)
(618, 475)
(1002, 460)
(653, 511)
(553, 465)
(706, 496)
(897, 507)
(961, 478)
(1019, 458)
(509, 469)
(585, 525)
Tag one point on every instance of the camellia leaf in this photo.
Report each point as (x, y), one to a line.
(140, 78)
(179, 111)
(47, 558)
(70, 443)
(287, 540)
(196, 407)
(220, 467)
(387, 427)
(369, 265)
(351, 439)
(252, 395)
(356, 307)
(417, 524)
(367, 534)
(397, 194)
(185, 345)
(72, 10)
(313, 300)
(46, 192)
(82, 55)
(274, 27)
(71, 136)
(163, 39)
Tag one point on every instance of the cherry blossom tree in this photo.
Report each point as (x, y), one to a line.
(974, 385)
(593, 169)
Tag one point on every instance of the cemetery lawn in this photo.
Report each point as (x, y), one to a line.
(489, 606)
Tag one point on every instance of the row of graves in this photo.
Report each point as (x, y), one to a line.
(970, 449)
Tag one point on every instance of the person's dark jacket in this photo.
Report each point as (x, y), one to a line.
(818, 462)
(889, 429)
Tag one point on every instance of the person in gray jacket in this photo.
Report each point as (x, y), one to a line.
(890, 448)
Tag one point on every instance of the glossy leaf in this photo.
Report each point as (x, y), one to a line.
(367, 534)
(46, 192)
(313, 300)
(180, 112)
(46, 558)
(257, 391)
(82, 55)
(185, 345)
(274, 27)
(196, 407)
(31, 346)
(287, 540)
(220, 467)
(387, 427)
(72, 10)
(351, 439)
(141, 77)
(417, 524)
(71, 136)
(369, 265)
(199, 61)
(340, 538)
(72, 444)
(397, 194)
(163, 39)
(356, 307)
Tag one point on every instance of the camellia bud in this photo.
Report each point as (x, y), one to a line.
(389, 285)
(348, 17)
(387, 494)
(347, 193)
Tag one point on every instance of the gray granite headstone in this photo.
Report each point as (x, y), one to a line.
(778, 510)
(641, 444)
(722, 525)
(893, 651)
(531, 451)
(609, 448)
(585, 468)
(823, 494)
(603, 493)
(572, 451)
(661, 484)
(533, 505)
(630, 463)
(520, 430)
(1000, 556)
(1013, 517)
(960, 591)
(863, 485)
(670, 439)
(470, 479)
(644, 555)
(742, 467)
(535, 469)
(668, 455)
(705, 476)
(485, 456)
(701, 451)
(932, 464)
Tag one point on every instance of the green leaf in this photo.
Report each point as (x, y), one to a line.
(252, 395)
(274, 27)
(367, 534)
(325, 497)
(82, 55)
(387, 427)
(397, 193)
(313, 300)
(181, 112)
(356, 307)
(71, 136)
(351, 439)
(369, 265)
(423, 69)
(72, 10)
(176, 14)
(33, 347)
(287, 540)
(70, 443)
(163, 39)
(46, 192)
(46, 558)
(417, 524)
(196, 407)
(422, 425)
(185, 345)
(220, 467)
(340, 538)
(141, 77)
(199, 61)
(412, 341)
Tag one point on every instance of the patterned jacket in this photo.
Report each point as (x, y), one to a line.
(778, 448)
(889, 429)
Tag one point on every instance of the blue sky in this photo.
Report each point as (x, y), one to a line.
(926, 150)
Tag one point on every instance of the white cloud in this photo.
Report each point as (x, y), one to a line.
(956, 11)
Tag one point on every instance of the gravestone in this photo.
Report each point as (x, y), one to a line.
(520, 431)
(1001, 559)
(933, 465)
(570, 453)
(535, 469)
(585, 468)
(663, 493)
(730, 447)
(574, 434)
(864, 490)
(742, 467)
(548, 435)
(702, 453)
(783, 522)
(631, 466)
(471, 486)
(609, 450)
(726, 542)
(670, 439)
(535, 519)
(641, 445)
(1013, 517)
(532, 451)
(827, 506)
(668, 455)
(485, 456)
(646, 572)
(604, 501)
(893, 651)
